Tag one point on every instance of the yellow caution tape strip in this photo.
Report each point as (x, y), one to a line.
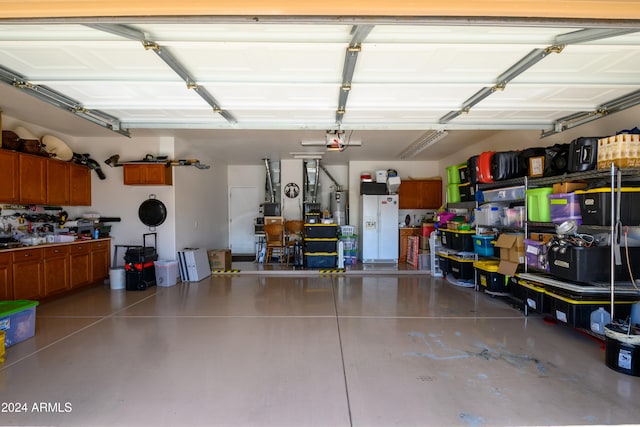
(224, 271)
(336, 270)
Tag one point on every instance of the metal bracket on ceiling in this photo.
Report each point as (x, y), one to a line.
(359, 34)
(532, 58)
(170, 60)
(61, 101)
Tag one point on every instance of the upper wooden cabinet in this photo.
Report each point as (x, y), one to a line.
(37, 180)
(420, 194)
(80, 185)
(33, 179)
(58, 187)
(147, 174)
(9, 166)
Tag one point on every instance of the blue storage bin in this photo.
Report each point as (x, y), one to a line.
(483, 245)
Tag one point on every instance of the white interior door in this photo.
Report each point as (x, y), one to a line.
(243, 209)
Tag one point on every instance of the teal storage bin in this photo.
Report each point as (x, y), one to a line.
(17, 320)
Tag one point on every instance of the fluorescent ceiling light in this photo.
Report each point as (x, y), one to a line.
(311, 155)
(420, 144)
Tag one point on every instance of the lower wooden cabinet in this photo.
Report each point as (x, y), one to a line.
(100, 254)
(28, 274)
(6, 277)
(50, 270)
(80, 257)
(56, 270)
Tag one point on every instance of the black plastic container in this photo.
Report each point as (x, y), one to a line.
(321, 231)
(472, 169)
(462, 270)
(583, 154)
(377, 188)
(467, 192)
(576, 311)
(463, 174)
(321, 245)
(457, 240)
(622, 356)
(556, 159)
(595, 206)
(582, 264)
(320, 260)
(534, 297)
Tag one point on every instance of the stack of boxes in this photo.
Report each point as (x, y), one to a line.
(349, 240)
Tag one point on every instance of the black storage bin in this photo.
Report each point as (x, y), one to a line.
(576, 310)
(377, 188)
(583, 154)
(534, 297)
(467, 192)
(582, 264)
(320, 231)
(595, 206)
(462, 269)
(472, 171)
(556, 159)
(463, 174)
(320, 260)
(620, 355)
(505, 165)
(321, 245)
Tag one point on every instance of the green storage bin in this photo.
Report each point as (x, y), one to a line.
(538, 207)
(453, 192)
(453, 175)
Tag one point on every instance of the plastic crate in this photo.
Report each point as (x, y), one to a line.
(349, 242)
(321, 231)
(532, 296)
(166, 273)
(564, 207)
(453, 193)
(453, 176)
(577, 313)
(483, 244)
(347, 230)
(17, 320)
(489, 279)
(321, 245)
(461, 269)
(320, 260)
(538, 204)
(506, 193)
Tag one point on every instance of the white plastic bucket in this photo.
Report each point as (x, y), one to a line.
(117, 278)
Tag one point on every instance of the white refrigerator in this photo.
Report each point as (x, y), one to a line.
(378, 237)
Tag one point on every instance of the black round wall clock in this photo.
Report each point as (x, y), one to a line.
(291, 190)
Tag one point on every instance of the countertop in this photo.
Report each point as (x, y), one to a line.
(44, 245)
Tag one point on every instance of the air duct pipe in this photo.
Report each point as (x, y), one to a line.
(272, 194)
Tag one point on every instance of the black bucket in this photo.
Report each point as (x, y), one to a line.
(622, 351)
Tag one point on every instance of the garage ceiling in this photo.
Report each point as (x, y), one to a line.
(278, 83)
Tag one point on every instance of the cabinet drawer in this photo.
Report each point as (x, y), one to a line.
(80, 248)
(5, 258)
(27, 255)
(56, 251)
(100, 245)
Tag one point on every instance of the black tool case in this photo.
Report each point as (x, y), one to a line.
(506, 165)
(139, 266)
(583, 154)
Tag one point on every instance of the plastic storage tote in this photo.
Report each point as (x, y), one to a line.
(17, 320)
(166, 273)
(488, 277)
(564, 207)
(504, 194)
(453, 193)
(453, 177)
(595, 206)
(538, 204)
(483, 245)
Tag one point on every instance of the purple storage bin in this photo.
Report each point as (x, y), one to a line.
(532, 250)
(564, 207)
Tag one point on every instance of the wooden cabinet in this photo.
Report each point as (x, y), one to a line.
(147, 174)
(56, 269)
(404, 240)
(100, 253)
(9, 166)
(80, 261)
(27, 273)
(58, 183)
(33, 179)
(420, 194)
(6, 278)
(80, 185)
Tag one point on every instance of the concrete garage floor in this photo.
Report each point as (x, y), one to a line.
(385, 349)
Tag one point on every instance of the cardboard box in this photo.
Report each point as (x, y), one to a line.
(567, 187)
(541, 237)
(219, 259)
(511, 253)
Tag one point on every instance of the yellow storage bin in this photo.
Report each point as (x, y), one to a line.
(488, 277)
